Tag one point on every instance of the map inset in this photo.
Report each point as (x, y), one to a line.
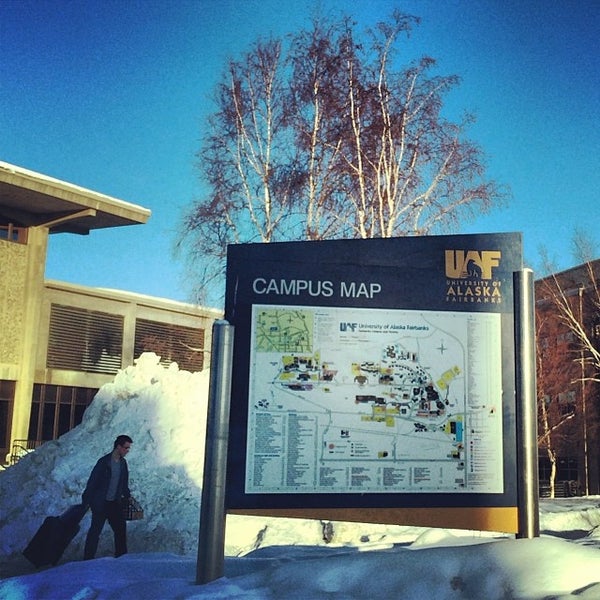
(359, 400)
(280, 330)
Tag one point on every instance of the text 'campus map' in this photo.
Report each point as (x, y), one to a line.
(371, 400)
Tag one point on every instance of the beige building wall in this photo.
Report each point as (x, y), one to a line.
(130, 307)
(13, 267)
(22, 284)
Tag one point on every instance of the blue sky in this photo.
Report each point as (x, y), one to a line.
(112, 95)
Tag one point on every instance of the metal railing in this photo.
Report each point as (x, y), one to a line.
(22, 447)
(562, 489)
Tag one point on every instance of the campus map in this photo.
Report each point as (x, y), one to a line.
(347, 400)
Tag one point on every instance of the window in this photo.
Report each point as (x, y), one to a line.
(566, 403)
(7, 396)
(173, 343)
(566, 468)
(13, 234)
(595, 331)
(84, 340)
(57, 409)
(566, 337)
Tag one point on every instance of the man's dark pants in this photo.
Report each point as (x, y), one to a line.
(112, 512)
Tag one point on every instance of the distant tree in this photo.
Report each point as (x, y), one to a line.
(323, 136)
(576, 298)
(568, 340)
(552, 371)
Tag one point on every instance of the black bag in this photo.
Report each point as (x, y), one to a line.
(54, 535)
(74, 514)
(132, 509)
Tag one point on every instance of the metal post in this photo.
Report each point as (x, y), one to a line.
(211, 537)
(583, 404)
(526, 400)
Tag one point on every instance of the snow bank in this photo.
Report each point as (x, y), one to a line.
(164, 411)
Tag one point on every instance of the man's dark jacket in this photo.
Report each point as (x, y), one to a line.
(99, 480)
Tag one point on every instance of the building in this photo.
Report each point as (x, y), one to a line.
(568, 377)
(60, 342)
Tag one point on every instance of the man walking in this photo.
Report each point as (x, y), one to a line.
(107, 485)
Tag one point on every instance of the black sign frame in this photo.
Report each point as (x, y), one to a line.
(460, 273)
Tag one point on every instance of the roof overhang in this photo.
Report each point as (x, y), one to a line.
(29, 199)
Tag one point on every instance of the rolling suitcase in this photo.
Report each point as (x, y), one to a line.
(52, 538)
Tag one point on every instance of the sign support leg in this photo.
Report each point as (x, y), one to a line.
(526, 406)
(211, 537)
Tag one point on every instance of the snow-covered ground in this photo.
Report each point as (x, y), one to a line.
(164, 411)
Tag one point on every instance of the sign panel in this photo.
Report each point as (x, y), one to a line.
(368, 400)
(373, 373)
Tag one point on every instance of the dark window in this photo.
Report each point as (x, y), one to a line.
(84, 340)
(34, 418)
(78, 414)
(64, 419)
(566, 403)
(48, 414)
(13, 234)
(566, 469)
(595, 331)
(173, 343)
(57, 409)
(7, 396)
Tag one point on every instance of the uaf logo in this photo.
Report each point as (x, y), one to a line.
(472, 263)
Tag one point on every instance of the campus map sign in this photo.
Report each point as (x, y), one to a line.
(377, 372)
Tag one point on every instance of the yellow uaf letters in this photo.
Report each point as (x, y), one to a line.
(461, 264)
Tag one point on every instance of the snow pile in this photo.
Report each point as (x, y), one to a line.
(559, 515)
(536, 569)
(164, 411)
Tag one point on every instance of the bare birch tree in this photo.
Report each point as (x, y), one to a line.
(323, 136)
(316, 118)
(246, 160)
